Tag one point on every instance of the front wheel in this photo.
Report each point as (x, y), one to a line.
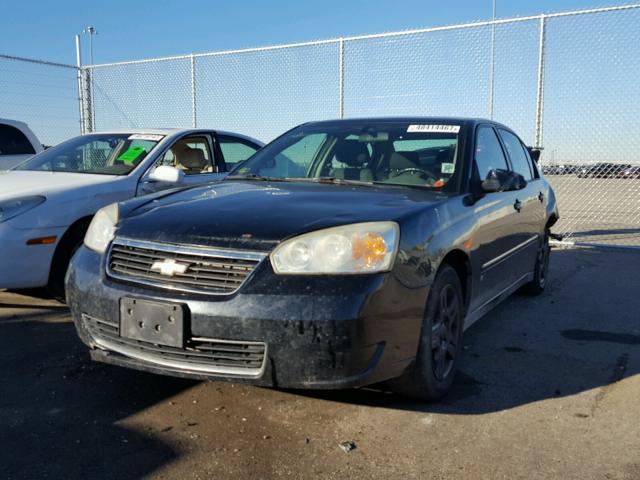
(440, 341)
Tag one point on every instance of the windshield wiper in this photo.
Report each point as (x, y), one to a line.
(254, 176)
(333, 180)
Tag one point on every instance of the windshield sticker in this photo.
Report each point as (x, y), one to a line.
(447, 167)
(132, 154)
(433, 128)
(145, 136)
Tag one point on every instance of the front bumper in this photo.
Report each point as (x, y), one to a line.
(317, 332)
(22, 265)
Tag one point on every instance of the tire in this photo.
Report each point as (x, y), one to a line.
(541, 270)
(440, 341)
(69, 244)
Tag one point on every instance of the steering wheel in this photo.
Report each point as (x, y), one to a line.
(421, 172)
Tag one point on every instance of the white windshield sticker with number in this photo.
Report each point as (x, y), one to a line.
(433, 128)
(146, 136)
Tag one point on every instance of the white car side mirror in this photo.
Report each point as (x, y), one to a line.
(165, 173)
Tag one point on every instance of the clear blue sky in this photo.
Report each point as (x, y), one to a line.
(139, 29)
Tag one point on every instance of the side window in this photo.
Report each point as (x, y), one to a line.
(532, 163)
(489, 154)
(519, 161)
(191, 155)
(235, 150)
(14, 142)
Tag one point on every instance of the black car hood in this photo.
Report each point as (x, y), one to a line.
(258, 214)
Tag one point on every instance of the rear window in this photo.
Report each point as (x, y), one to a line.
(14, 142)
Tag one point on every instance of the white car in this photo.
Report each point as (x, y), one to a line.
(47, 202)
(17, 143)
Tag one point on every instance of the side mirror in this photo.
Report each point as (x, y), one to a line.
(535, 153)
(167, 174)
(499, 180)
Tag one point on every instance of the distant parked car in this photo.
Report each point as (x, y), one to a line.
(553, 169)
(342, 254)
(602, 170)
(631, 172)
(17, 143)
(47, 202)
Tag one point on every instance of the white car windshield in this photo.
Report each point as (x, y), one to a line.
(102, 154)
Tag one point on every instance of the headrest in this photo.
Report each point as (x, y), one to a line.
(192, 158)
(402, 160)
(352, 153)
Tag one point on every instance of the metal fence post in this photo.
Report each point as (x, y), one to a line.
(80, 90)
(87, 100)
(194, 117)
(341, 78)
(540, 89)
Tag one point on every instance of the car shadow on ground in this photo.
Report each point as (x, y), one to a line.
(583, 333)
(60, 414)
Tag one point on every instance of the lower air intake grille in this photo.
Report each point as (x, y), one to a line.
(205, 355)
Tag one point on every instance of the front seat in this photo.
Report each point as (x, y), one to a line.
(355, 155)
(191, 160)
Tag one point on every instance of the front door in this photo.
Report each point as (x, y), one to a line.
(495, 237)
(194, 156)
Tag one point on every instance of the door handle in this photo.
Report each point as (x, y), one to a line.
(518, 205)
(541, 197)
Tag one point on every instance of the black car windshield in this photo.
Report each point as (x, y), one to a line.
(105, 154)
(394, 153)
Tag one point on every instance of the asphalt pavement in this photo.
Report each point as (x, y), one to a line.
(548, 388)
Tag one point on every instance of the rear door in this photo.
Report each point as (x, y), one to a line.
(495, 237)
(531, 217)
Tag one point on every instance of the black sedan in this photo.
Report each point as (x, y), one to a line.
(343, 253)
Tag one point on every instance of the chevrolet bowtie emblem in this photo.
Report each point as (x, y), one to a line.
(169, 267)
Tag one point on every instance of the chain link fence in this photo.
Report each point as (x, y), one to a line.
(42, 94)
(566, 82)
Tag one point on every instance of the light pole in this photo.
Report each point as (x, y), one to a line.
(493, 60)
(91, 31)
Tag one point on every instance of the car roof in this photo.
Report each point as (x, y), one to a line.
(467, 121)
(174, 131)
(14, 123)
(158, 131)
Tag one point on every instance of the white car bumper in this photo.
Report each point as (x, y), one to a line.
(22, 265)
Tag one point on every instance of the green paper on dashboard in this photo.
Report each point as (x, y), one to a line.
(131, 154)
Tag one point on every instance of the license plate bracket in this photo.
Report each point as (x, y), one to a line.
(154, 322)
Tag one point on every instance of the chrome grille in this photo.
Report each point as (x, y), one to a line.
(205, 355)
(212, 271)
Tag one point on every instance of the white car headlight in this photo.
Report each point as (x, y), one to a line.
(348, 249)
(102, 228)
(17, 206)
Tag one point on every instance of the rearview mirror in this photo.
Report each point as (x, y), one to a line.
(499, 180)
(167, 174)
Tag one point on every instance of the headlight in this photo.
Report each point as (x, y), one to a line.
(102, 228)
(18, 206)
(348, 249)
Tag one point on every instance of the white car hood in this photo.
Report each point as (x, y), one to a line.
(22, 183)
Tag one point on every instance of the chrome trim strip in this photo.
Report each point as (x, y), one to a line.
(504, 255)
(192, 367)
(205, 251)
(172, 248)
